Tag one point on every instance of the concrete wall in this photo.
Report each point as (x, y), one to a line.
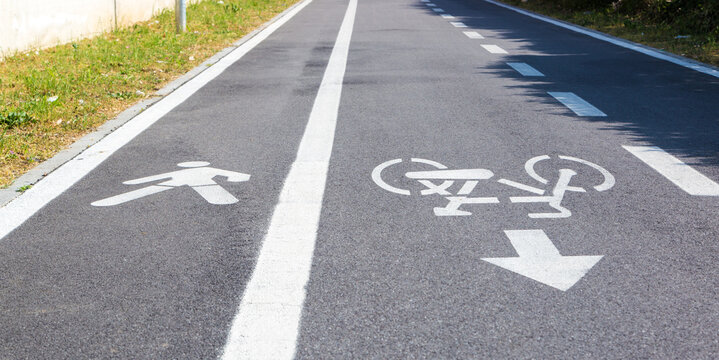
(31, 24)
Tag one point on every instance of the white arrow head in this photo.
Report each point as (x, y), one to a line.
(540, 260)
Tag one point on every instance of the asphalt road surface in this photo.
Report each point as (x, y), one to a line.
(386, 179)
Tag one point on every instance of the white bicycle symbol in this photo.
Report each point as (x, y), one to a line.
(472, 177)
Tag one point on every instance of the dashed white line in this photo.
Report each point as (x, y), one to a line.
(447, 16)
(577, 104)
(438, 10)
(473, 35)
(678, 172)
(458, 24)
(430, 4)
(494, 49)
(268, 319)
(525, 69)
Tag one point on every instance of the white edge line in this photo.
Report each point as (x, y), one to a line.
(17, 211)
(676, 59)
(267, 322)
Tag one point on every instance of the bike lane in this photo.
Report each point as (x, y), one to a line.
(159, 272)
(390, 278)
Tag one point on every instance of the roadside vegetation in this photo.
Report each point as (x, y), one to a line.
(51, 97)
(684, 27)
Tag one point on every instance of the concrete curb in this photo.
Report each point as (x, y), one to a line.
(46, 167)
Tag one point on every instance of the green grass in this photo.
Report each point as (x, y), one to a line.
(677, 36)
(51, 97)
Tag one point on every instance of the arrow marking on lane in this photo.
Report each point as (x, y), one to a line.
(540, 260)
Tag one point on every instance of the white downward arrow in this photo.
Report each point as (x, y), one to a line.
(540, 260)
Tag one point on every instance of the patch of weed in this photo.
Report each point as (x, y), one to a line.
(24, 188)
(15, 118)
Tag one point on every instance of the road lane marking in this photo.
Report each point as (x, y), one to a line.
(23, 207)
(430, 4)
(494, 49)
(576, 104)
(458, 24)
(461, 174)
(447, 16)
(473, 35)
(267, 322)
(521, 186)
(682, 175)
(196, 174)
(525, 69)
(619, 42)
(438, 10)
(540, 260)
(441, 181)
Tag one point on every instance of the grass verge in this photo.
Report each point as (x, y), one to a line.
(51, 97)
(638, 26)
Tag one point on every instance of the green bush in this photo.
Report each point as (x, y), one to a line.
(684, 16)
(583, 4)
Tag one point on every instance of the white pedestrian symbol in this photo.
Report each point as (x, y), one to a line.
(197, 175)
(472, 177)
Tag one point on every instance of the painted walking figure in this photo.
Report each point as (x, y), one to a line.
(197, 175)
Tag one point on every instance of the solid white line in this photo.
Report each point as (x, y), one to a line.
(494, 49)
(473, 35)
(447, 16)
(525, 69)
(458, 24)
(580, 106)
(619, 42)
(681, 174)
(23, 207)
(267, 323)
